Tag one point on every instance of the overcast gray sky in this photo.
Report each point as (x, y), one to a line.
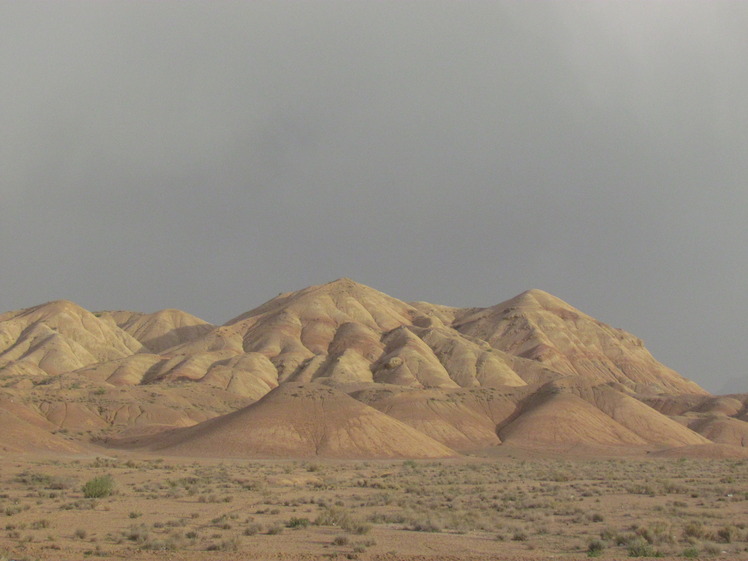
(209, 155)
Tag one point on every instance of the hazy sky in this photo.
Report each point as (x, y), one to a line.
(209, 155)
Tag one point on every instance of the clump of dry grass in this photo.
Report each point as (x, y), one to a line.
(342, 518)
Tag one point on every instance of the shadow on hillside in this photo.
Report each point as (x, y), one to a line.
(175, 337)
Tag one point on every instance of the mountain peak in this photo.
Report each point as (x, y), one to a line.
(540, 298)
(59, 306)
(47, 311)
(345, 284)
(343, 280)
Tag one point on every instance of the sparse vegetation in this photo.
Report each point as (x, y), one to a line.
(639, 547)
(297, 522)
(595, 548)
(98, 487)
(520, 503)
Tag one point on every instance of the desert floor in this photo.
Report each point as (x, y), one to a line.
(471, 508)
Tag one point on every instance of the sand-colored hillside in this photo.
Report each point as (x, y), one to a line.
(644, 421)
(59, 337)
(382, 377)
(160, 330)
(301, 420)
(564, 418)
(24, 430)
(343, 332)
(722, 429)
(720, 419)
(541, 327)
(463, 419)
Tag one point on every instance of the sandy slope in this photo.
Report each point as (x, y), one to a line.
(160, 330)
(423, 379)
(304, 420)
(541, 327)
(59, 337)
(24, 430)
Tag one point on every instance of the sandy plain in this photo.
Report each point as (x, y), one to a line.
(517, 506)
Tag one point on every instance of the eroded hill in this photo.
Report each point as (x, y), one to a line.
(380, 378)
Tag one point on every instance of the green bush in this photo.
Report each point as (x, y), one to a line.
(595, 548)
(296, 522)
(98, 487)
(639, 547)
